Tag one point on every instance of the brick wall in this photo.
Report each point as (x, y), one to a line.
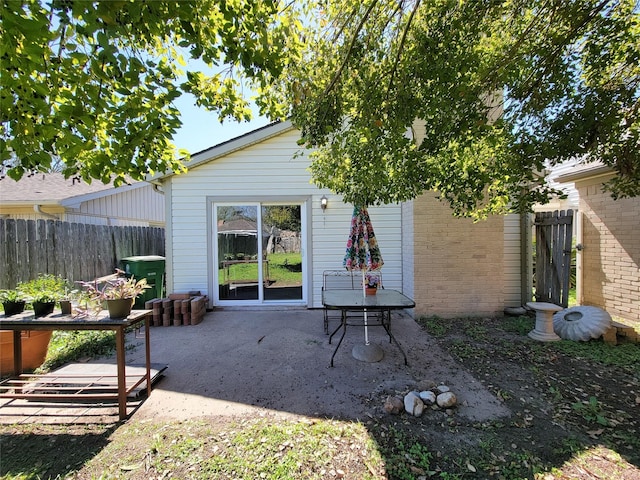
(611, 255)
(458, 265)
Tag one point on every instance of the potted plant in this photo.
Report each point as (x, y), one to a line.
(65, 301)
(43, 293)
(118, 292)
(13, 301)
(372, 281)
(35, 343)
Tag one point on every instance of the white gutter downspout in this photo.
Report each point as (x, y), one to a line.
(38, 209)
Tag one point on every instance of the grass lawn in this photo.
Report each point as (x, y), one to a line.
(285, 269)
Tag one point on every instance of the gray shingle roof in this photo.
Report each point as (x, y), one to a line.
(46, 188)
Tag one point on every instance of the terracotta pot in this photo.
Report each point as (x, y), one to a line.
(120, 307)
(370, 290)
(34, 349)
(13, 308)
(41, 309)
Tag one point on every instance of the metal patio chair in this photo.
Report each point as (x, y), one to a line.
(341, 280)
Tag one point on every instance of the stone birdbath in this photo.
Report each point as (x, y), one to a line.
(543, 330)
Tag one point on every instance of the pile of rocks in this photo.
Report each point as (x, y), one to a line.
(415, 402)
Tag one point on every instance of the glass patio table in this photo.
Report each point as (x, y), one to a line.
(353, 300)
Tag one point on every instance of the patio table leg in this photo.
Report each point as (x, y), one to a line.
(122, 382)
(343, 324)
(147, 353)
(387, 327)
(17, 355)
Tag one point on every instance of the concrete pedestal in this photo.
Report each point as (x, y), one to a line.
(543, 330)
(370, 353)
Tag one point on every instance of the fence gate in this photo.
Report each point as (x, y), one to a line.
(553, 256)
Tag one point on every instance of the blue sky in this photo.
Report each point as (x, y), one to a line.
(201, 129)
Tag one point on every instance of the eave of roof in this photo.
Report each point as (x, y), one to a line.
(585, 171)
(78, 199)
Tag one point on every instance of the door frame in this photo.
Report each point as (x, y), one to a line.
(212, 254)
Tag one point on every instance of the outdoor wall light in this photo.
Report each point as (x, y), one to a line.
(323, 203)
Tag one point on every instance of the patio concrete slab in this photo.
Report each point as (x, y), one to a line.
(239, 362)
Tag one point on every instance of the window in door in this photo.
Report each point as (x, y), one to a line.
(259, 252)
(282, 252)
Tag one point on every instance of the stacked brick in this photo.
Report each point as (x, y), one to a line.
(621, 333)
(178, 309)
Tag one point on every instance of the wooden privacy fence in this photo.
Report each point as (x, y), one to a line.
(74, 251)
(554, 232)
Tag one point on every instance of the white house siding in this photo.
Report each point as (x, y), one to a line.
(141, 206)
(52, 197)
(512, 261)
(330, 233)
(267, 170)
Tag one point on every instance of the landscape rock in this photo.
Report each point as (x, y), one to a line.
(426, 385)
(393, 405)
(443, 388)
(413, 405)
(428, 397)
(446, 400)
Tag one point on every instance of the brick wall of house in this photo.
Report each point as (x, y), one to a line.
(458, 264)
(611, 255)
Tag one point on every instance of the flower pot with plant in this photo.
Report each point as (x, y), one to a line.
(43, 305)
(67, 300)
(43, 293)
(13, 301)
(118, 292)
(372, 282)
(35, 344)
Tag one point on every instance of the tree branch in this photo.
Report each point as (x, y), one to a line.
(405, 32)
(334, 80)
(560, 45)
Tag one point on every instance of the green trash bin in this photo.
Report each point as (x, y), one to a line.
(150, 267)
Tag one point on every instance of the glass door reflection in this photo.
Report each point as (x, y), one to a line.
(239, 269)
(282, 225)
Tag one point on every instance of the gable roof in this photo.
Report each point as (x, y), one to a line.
(238, 226)
(54, 189)
(225, 148)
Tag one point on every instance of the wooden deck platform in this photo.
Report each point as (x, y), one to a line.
(75, 393)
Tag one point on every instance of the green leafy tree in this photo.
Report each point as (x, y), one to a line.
(90, 86)
(497, 88)
(491, 91)
(284, 217)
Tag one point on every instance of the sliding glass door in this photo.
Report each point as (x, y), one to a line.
(258, 252)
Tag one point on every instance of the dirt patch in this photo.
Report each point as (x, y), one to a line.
(566, 400)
